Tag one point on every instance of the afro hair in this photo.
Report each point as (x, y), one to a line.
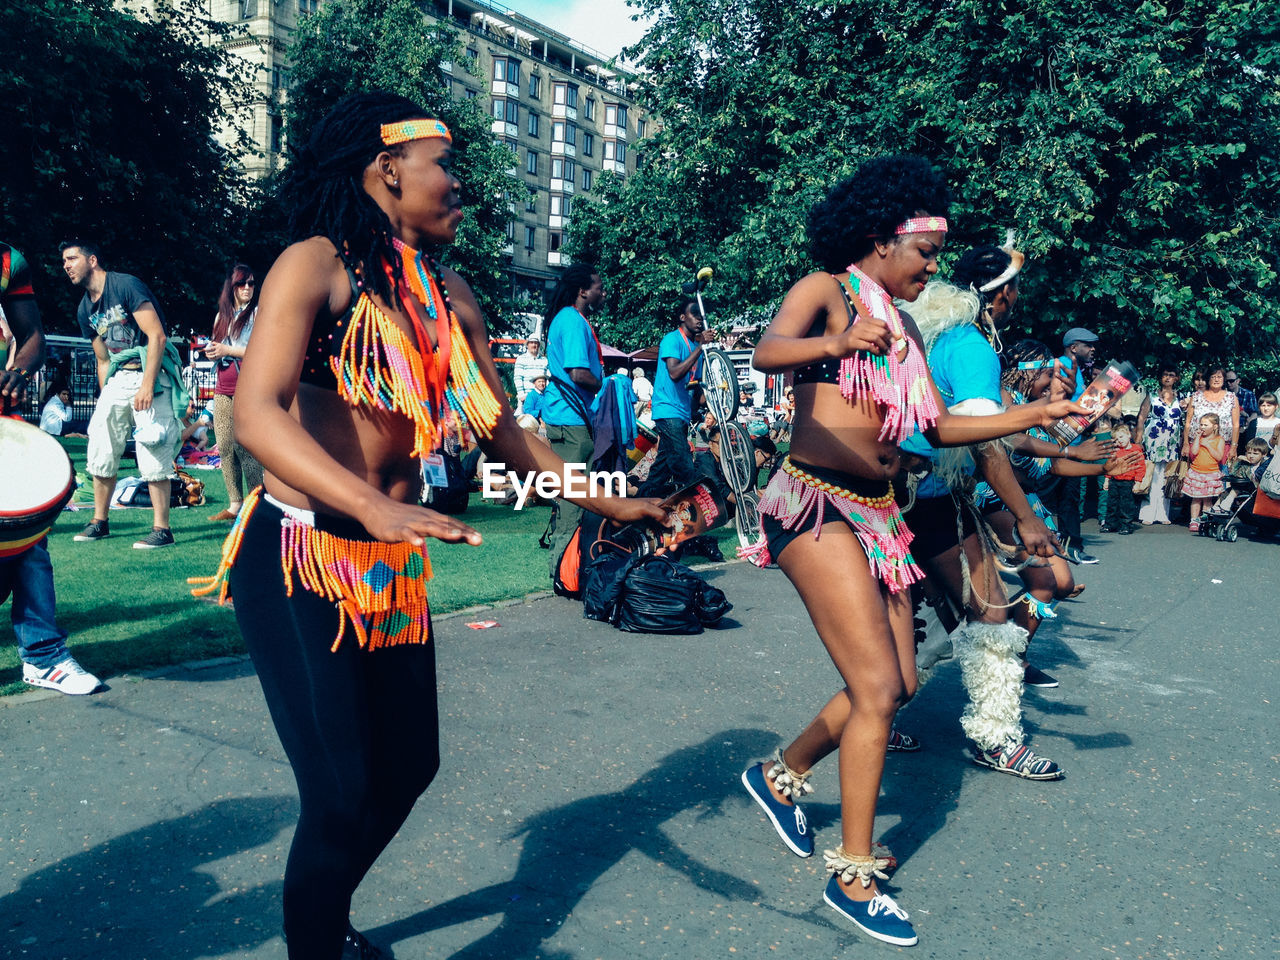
(980, 265)
(868, 205)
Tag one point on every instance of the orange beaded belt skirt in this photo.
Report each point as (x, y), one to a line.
(380, 589)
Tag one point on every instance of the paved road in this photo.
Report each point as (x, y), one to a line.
(589, 806)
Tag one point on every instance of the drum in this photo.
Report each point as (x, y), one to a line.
(36, 481)
(646, 440)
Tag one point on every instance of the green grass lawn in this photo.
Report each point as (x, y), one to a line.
(131, 610)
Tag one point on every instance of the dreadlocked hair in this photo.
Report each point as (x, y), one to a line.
(575, 278)
(978, 266)
(866, 207)
(324, 189)
(1024, 351)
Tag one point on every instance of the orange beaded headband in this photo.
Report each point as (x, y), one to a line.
(406, 130)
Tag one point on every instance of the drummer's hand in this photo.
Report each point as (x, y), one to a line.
(867, 334)
(394, 522)
(13, 387)
(142, 399)
(621, 510)
(1036, 537)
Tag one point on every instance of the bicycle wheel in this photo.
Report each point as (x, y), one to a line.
(737, 456)
(747, 519)
(719, 383)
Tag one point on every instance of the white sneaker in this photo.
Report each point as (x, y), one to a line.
(65, 677)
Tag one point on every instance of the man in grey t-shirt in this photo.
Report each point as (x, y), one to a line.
(123, 319)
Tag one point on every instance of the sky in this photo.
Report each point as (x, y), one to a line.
(605, 25)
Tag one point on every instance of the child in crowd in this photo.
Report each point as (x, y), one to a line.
(1122, 509)
(1247, 465)
(1204, 478)
(1264, 428)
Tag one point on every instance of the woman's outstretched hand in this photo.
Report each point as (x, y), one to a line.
(396, 522)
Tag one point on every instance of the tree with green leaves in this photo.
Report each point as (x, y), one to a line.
(350, 46)
(1132, 149)
(109, 135)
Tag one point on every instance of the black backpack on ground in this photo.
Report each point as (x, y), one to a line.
(649, 594)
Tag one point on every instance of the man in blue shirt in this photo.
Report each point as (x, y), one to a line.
(1079, 346)
(575, 372)
(679, 366)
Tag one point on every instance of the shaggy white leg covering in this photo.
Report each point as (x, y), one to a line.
(992, 674)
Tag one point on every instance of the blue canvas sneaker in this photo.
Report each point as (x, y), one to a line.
(788, 819)
(879, 917)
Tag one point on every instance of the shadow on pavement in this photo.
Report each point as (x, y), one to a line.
(151, 892)
(568, 848)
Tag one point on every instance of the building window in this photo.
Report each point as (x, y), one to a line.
(448, 84)
(531, 163)
(531, 205)
(248, 9)
(306, 7)
(589, 109)
(535, 86)
(566, 95)
(641, 126)
(616, 114)
(507, 70)
(279, 79)
(277, 134)
(588, 144)
(553, 244)
(613, 150)
(508, 110)
(560, 206)
(562, 169)
(473, 53)
(533, 124)
(471, 94)
(563, 132)
(530, 237)
(586, 179)
(511, 231)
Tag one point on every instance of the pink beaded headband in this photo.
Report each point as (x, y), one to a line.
(406, 130)
(922, 225)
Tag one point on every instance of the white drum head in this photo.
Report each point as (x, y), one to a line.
(34, 469)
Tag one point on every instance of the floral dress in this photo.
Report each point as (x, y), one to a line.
(1162, 436)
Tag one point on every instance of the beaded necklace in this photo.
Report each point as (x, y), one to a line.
(899, 381)
(379, 365)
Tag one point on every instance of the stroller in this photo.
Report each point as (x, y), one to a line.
(1225, 524)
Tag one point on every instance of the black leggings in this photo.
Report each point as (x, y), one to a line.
(360, 729)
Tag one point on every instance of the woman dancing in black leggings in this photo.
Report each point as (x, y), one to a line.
(365, 352)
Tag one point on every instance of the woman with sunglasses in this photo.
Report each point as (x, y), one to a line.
(237, 307)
